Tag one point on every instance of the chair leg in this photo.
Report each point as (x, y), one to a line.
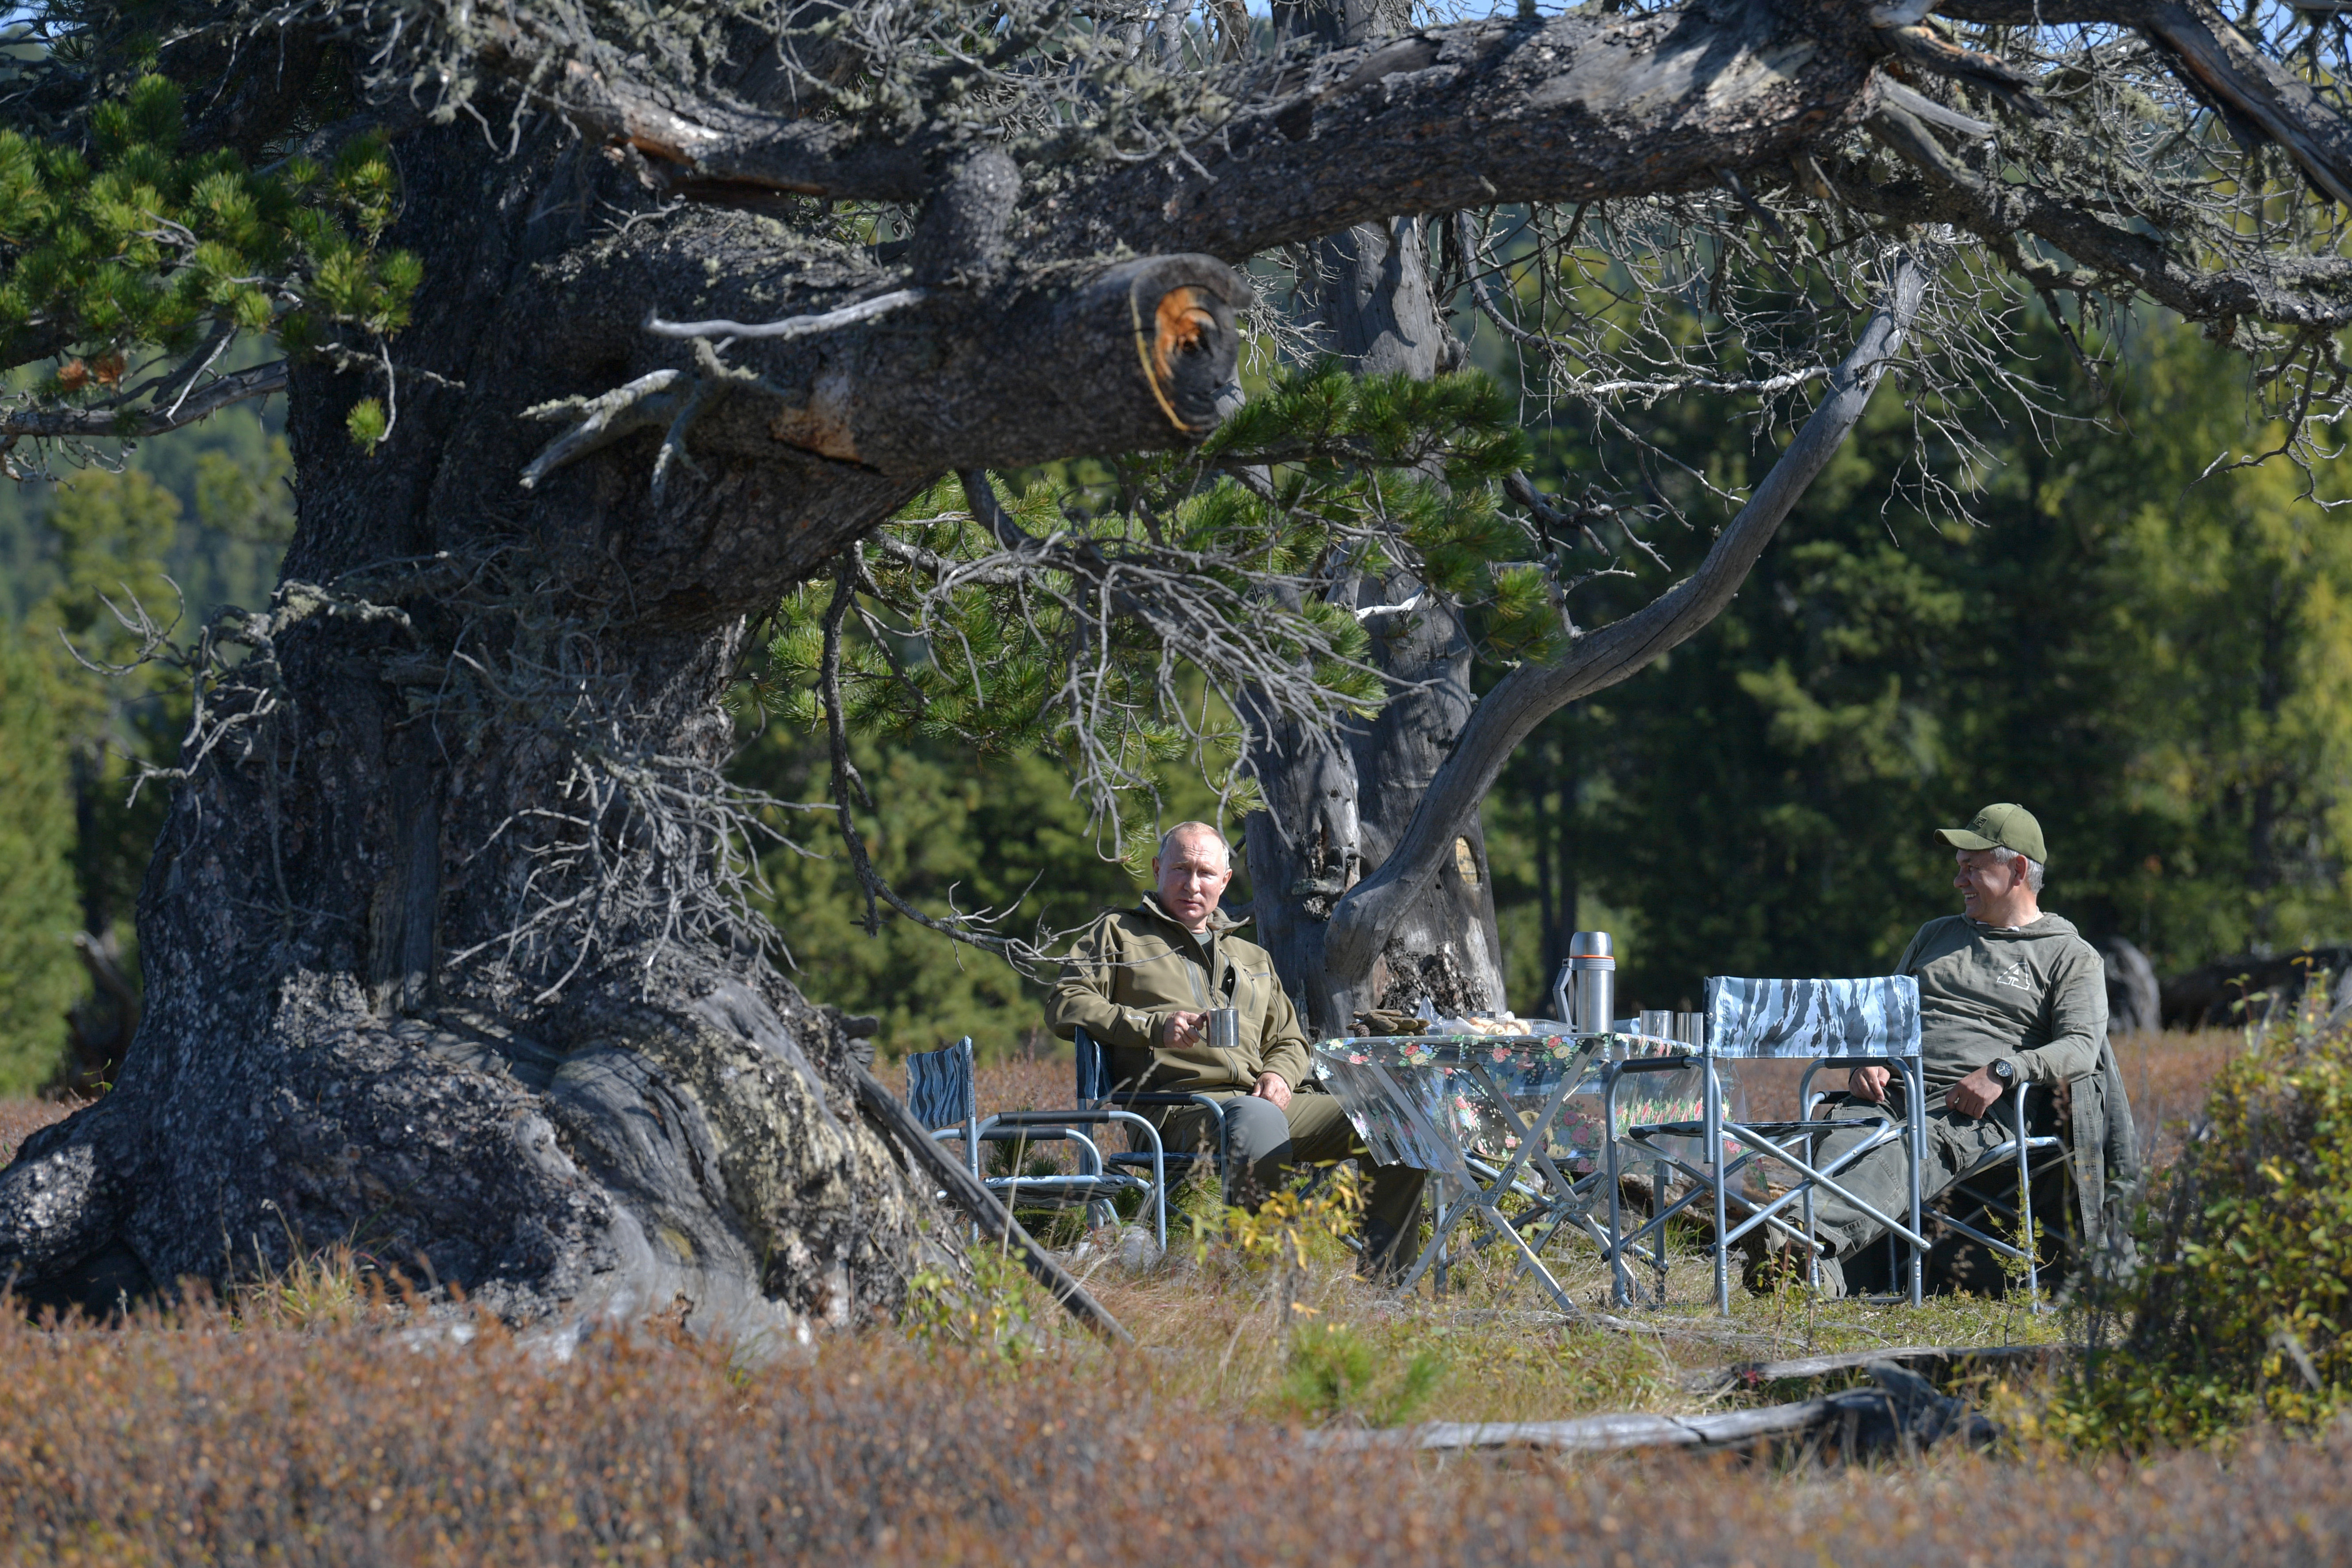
(2025, 1201)
(1812, 1234)
(1658, 1242)
(1617, 1294)
(1917, 1076)
(1711, 1095)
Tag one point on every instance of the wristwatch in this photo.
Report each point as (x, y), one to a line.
(2003, 1070)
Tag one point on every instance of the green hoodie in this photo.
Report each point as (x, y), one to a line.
(2035, 994)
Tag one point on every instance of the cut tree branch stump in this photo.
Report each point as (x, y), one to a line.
(996, 1222)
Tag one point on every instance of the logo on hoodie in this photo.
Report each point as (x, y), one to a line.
(2016, 974)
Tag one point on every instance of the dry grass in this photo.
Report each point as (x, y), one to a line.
(1215, 1328)
(314, 1428)
(212, 1441)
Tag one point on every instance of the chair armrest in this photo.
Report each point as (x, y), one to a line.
(1048, 1117)
(1168, 1097)
(1682, 1063)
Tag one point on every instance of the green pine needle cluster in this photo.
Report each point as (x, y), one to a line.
(1116, 650)
(132, 245)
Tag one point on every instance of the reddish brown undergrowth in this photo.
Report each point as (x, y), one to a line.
(19, 1118)
(2168, 1076)
(211, 1441)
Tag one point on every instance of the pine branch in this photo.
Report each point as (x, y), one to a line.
(126, 423)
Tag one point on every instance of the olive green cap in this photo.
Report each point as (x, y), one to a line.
(2003, 827)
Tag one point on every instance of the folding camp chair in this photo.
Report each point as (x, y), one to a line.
(2020, 1151)
(939, 1093)
(1857, 1022)
(1097, 1093)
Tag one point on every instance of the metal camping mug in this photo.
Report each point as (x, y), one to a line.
(1224, 1028)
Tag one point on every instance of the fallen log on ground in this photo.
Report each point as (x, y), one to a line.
(1905, 1412)
(1756, 1373)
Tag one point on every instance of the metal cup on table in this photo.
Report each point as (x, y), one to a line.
(1224, 1028)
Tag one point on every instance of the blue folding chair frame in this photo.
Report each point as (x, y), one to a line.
(940, 1094)
(1097, 1094)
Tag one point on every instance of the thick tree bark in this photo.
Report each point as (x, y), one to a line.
(435, 967)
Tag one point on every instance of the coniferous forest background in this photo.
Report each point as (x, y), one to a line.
(2158, 665)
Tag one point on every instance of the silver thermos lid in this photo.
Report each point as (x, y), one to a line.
(1592, 949)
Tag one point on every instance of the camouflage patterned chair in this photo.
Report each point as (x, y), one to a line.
(1853, 1023)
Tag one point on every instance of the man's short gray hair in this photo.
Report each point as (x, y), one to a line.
(1209, 828)
(2033, 873)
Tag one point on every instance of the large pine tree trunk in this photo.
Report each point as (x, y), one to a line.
(1337, 804)
(441, 964)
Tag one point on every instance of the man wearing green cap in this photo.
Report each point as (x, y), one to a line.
(2009, 996)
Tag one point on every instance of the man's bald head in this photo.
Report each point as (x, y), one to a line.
(1191, 871)
(1187, 831)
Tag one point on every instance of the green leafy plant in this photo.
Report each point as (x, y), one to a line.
(2237, 1314)
(989, 1312)
(1281, 1232)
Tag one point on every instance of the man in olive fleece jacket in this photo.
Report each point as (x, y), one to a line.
(2009, 996)
(1142, 983)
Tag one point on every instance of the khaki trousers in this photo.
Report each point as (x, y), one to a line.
(1263, 1141)
(1883, 1176)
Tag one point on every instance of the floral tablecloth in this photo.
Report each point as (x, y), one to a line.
(1427, 1100)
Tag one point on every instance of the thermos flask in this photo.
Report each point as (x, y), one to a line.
(1593, 966)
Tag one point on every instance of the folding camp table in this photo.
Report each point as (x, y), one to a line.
(1488, 1115)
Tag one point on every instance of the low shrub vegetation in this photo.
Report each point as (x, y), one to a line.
(2237, 1313)
(210, 1438)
